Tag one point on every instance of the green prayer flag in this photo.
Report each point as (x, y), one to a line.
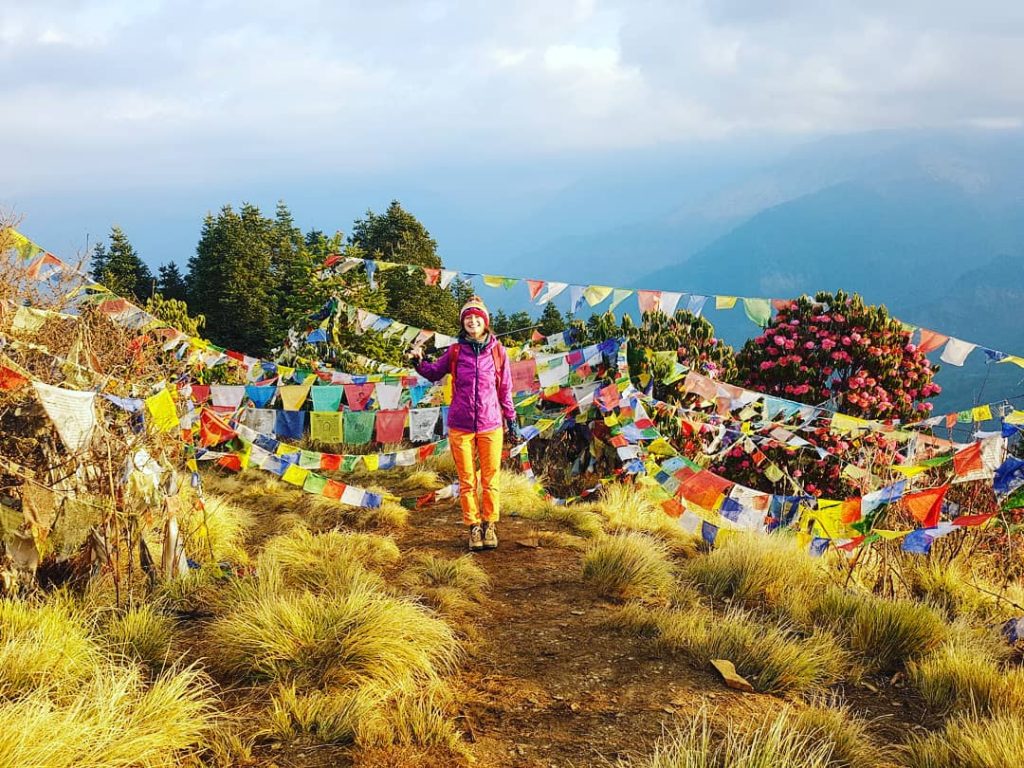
(309, 459)
(359, 426)
(348, 463)
(758, 310)
(314, 483)
(327, 398)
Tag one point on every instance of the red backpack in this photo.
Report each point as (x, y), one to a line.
(497, 352)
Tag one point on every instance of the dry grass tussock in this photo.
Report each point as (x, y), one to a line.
(451, 585)
(320, 640)
(949, 586)
(140, 634)
(835, 725)
(44, 646)
(321, 512)
(218, 533)
(631, 508)
(771, 743)
(884, 635)
(969, 741)
(757, 570)
(630, 566)
(112, 719)
(519, 498)
(967, 673)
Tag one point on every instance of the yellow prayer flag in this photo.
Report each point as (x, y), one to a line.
(295, 475)
(161, 409)
(725, 302)
(493, 281)
(909, 470)
(283, 449)
(843, 423)
(372, 461)
(595, 294)
(294, 395)
(1013, 359)
(1014, 417)
(890, 535)
(285, 372)
(981, 413)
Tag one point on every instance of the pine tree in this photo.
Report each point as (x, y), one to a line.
(170, 282)
(120, 269)
(230, 281)
(398, 236)
(291, 268)
(551, 320)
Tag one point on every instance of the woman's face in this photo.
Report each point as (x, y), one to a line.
(474, 326)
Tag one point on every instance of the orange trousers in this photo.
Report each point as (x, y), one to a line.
(465, 448)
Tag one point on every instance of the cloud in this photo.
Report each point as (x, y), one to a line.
(157, 92)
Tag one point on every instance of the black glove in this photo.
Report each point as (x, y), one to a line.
(513, 429)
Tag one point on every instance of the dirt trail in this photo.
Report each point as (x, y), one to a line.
(548, 685)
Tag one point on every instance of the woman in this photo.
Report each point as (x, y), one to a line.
(481, 402)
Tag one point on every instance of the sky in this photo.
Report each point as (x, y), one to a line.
(150, 113)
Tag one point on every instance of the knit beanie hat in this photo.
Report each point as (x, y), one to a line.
(475, 306)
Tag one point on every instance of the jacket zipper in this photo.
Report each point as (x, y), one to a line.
(476, 391)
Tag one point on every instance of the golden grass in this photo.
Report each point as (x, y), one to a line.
(963, 677)
(771, 743)
(141, 634)
(321, 512)
(43, 646)
(885, 635)
(835, 725)
(320, 717)
(519, 496)
(413, 715)
(219, 533)
(113, 720)
(773, 659)
(193, 592)
(629, 565)
(948, 586)
(969, 742)
(330, 640)
(461, 574)
(756, 569)
(630, 508)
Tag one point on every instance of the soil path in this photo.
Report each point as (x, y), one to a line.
(546, 684)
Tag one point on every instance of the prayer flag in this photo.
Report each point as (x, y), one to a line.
(930, 341)
(926, 506)
(956, 351)
(535, 286)
(327, 397)
(73, 413)
(759, 311)
(290, 424)
(260, 396)
(359, 426)
(648, 301)
(358, 395)
(725, 302)
(162, 411)
(968, 460)
(326, 427)
(619, 295)
(294, 395)
(391, 426)
(213, 431)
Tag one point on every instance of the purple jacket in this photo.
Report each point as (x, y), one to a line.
(480, 402)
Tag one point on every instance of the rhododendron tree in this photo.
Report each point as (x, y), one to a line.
(835, 349)
(838, 352)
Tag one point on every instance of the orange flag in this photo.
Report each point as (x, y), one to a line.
(213, 431)
(926, 506)
(851, 511)
(10, 379)
(930, 341)
(535, 286)
(968, 460)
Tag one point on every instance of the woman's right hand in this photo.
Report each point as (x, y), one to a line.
(416, 354)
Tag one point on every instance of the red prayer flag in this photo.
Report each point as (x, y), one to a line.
(926, 506)
(968, 460)
(232, 462)
(358, 395)
(332, 259)
(950, 420)
(200, 393)
(330, 462)
(607, 397)
(851, 511)
(431, 276)
(391, 426)
(704, 489)
(213, 431)
(536, 336)
(524, 376)
(535, 286)
(971, 520)
(851, 544)
(672, 507)
(563, 396)
(10, 379)
(36, 269)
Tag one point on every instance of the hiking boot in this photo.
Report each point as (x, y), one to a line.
(490, 536)
(476, 538)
